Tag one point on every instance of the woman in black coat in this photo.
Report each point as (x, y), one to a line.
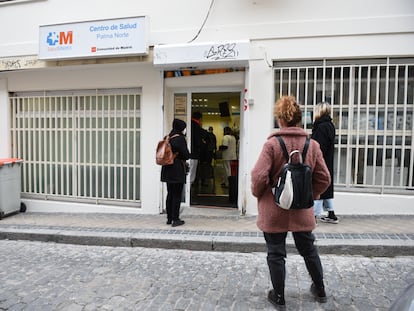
(323, 131)
(175, 174)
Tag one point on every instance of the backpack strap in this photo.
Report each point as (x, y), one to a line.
(282, 144)
(305, 149)
(285, 153)
(169, 138)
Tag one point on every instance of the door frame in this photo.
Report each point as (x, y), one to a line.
(224, 82)
(169, 115)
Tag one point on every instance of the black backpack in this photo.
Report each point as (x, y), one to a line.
(294, 187)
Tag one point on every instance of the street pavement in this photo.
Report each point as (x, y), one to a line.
(216, 261)
(54, 276)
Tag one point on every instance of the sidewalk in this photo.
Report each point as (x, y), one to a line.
(209, 229)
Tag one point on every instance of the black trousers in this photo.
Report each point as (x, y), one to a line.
(276, 254)
(173, 201)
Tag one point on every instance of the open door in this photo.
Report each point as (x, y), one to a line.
(214, 185)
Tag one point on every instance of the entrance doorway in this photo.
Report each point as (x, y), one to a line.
(212, 186)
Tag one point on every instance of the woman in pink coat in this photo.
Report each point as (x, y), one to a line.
(274, 221)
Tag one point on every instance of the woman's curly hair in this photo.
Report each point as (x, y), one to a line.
(287, 109)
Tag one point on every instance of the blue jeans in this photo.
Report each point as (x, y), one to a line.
(325, 204)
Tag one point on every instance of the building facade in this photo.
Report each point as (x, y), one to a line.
(86, 94)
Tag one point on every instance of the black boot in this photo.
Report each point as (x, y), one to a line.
(278, 300)
(319, 293)
(178, 222)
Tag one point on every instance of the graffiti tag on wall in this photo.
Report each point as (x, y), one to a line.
(222, 51)
(19, 63)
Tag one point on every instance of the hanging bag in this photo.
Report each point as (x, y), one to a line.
(294, 187)
(164, 154)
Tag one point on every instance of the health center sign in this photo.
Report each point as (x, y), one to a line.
(104, 38)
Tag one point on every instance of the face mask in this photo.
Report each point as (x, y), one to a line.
(184, 131)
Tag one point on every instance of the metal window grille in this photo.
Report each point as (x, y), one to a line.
(372, 108)
(79, 145)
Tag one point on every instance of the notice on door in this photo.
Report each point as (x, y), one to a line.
(180, 104)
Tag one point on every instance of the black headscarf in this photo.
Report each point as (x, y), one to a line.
(178, 126)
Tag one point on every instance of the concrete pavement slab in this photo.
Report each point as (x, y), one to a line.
(210, 230)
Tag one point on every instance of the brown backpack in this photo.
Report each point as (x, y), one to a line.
(164, 154)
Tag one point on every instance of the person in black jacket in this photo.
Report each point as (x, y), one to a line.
(323, 131)
(175, 174)
(199, 140)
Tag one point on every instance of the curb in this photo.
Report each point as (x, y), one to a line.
(368, 248)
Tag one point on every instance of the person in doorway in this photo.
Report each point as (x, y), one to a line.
(276, 222)
(199, 136)
(228, 148)
(323, 131)
(212, 144)
(207, 154)
(175, 174)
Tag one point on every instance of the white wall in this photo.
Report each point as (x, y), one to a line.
(347, 203)
(106, 76)
(5, 143)
(278, 30)
(264, 52)
(179, 21)
(379, 45)
(260, 119)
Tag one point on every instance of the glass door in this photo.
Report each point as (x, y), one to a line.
(216, 181)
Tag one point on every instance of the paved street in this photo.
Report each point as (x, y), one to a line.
(48, 276)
